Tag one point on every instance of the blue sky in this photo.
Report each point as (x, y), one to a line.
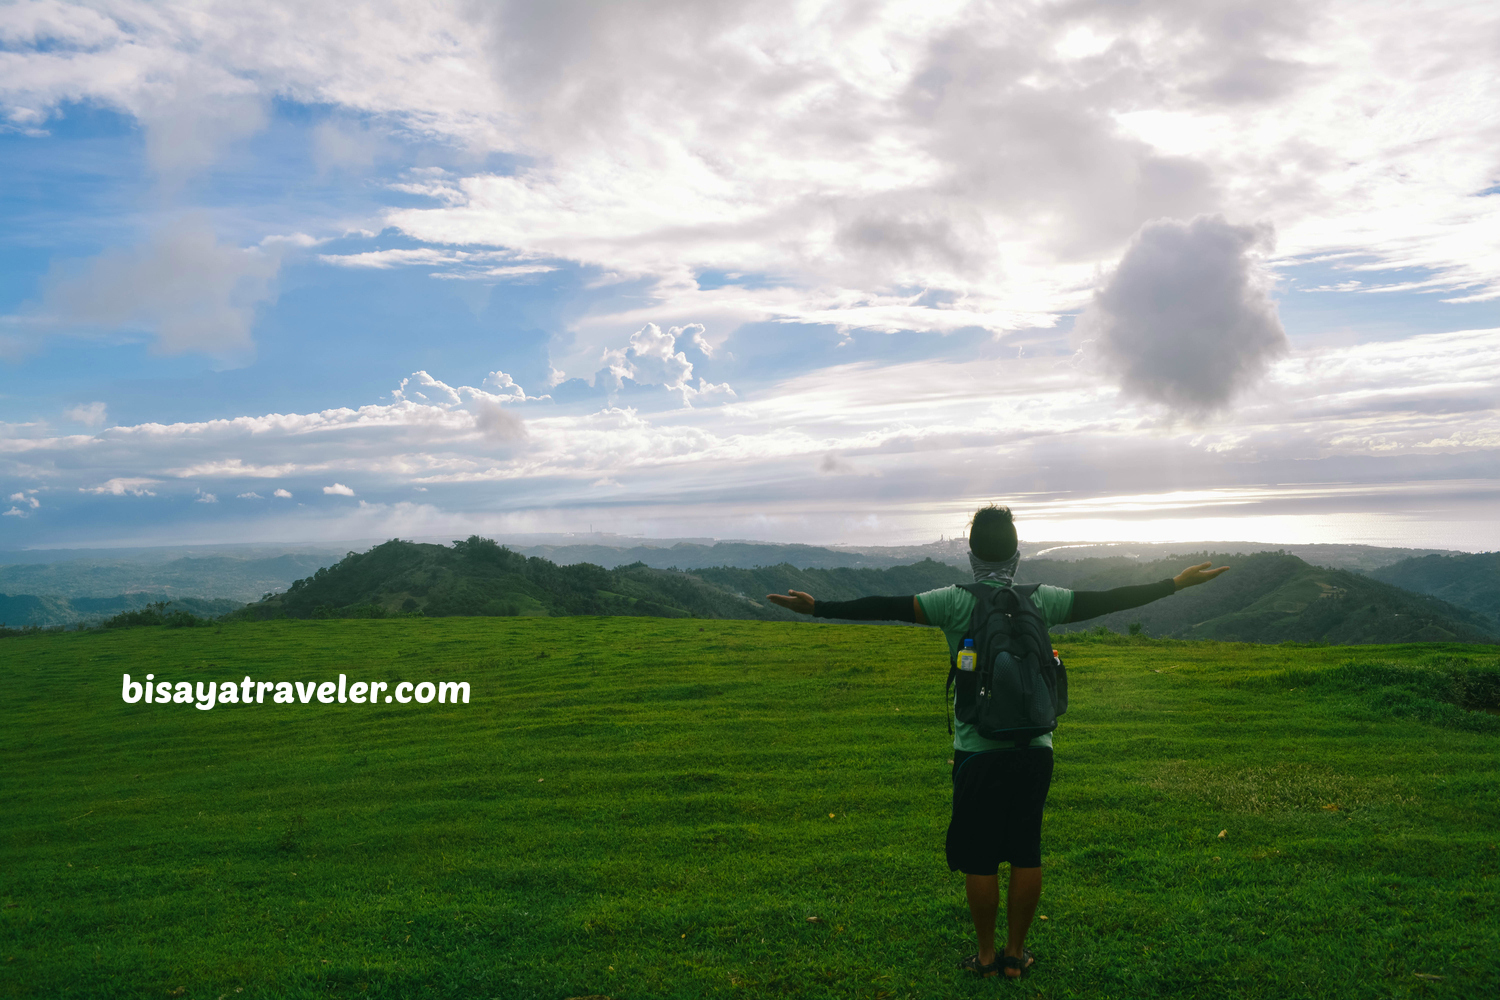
(800, 272)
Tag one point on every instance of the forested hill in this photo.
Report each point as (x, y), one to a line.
(1268, 597)
(479, 577)
(1470, 581)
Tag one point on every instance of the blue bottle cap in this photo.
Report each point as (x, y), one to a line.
(968, 644)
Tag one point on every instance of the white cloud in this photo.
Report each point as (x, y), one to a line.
(339, 489)
(205, 497)
(931, 434)
(1187, 319)
(27, 497)
(90, 414)
(846, 153)
(249, 496)
(184, 286)
(14, 512)
(708, 389)
(695, 336)
(507, 388)
(386, 259)
(470, 265)
(282, 494)
(121, 485)
(651, 358)
(484, 410)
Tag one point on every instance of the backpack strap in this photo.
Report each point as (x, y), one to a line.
(947, 701)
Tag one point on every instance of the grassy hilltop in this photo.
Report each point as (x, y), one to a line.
(638, 807)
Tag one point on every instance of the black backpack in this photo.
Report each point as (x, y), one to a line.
(1017, 688)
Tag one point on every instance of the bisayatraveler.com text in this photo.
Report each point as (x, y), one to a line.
(207, 694)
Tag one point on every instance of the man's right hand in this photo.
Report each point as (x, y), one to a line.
(1194, 575)
(793, 600)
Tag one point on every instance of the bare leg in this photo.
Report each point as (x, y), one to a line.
(1021, 897)
(984, 903)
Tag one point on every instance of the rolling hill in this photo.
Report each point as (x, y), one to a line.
(1269, 597)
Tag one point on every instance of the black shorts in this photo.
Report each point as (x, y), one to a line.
(998, 797)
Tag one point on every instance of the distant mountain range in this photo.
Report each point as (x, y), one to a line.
(217, 576)
(245, 572)
(954, 551)
(1266, 597)
(46, 612)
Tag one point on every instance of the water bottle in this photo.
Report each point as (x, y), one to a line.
(967, 657)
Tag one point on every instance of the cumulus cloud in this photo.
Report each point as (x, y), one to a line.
(184, 286)
(507, 388)
(652, 358)
(488, 416)
(205, 497)
(27, 497)
(282, 494)
(694, 332)
(90, 414)
(252, 495)
(338, 489)
(1187, 319)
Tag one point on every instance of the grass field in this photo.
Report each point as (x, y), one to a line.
(639, 808)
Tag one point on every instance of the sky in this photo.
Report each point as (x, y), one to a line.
(812, 272)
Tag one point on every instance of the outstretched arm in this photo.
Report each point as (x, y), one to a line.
(1093, 603)
(872, 609)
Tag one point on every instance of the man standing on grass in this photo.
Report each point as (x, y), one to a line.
(999, 788)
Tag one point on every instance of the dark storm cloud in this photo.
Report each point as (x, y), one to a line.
(1186, 319)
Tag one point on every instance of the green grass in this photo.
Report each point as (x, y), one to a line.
(639, 808)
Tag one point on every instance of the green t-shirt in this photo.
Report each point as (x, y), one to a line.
(950, 609)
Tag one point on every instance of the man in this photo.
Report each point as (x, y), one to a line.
(999, 789)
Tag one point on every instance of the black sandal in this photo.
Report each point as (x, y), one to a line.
(979, 969)
(1026, 961)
